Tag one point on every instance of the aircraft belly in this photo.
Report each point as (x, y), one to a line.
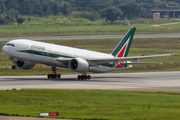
(103, 69)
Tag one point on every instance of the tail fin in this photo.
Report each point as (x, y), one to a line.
(124, 45)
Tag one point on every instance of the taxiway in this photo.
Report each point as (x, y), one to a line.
(90, 37)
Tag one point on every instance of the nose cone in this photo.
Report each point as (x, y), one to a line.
(4, 49)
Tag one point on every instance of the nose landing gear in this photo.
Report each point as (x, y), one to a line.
(54, 75)
(14, 67)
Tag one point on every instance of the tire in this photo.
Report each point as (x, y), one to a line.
(58, 76)
(49, 76)
(13, 67)
(89, 77)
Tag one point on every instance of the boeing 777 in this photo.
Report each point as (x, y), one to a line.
(26, 53)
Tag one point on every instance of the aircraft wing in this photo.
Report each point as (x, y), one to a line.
(117, 60)
(98, 61)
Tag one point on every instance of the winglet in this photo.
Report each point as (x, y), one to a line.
(124, 45)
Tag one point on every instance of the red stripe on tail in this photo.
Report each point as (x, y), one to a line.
(121, 54)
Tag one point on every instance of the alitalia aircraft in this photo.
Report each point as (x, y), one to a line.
(25, 53)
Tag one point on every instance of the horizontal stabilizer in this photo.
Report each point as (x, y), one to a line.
(142, 63)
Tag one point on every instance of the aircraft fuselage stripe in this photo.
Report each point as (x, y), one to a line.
(57, 56)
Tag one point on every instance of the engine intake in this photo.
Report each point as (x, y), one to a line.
(24, 65)
(79, 65)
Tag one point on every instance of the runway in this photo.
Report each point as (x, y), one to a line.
(89, 37)
(147, 81)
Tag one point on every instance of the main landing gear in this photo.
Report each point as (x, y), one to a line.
(83, 77)
(58, 76)
(54, 75)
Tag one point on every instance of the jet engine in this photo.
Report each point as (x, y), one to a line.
(79, 65)
(24, 65)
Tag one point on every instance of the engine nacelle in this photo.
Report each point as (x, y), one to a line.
(79, 65)
(24, 65)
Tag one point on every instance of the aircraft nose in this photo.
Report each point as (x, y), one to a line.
(4, 49)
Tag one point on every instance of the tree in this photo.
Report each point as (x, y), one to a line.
(111, 14)
(46, 9)
(55, 8)
(12, 13)
(131, 9)
(66, 9)
(29, 18)
(9, 19)
(26, 7)
(3, 21)
(161, 5)
(37, 8)
(2, 7)
(20, 20)
(11, 4)
(147, 5)
(173, 4)
(98, 5)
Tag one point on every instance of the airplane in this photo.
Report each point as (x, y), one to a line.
(26, 53)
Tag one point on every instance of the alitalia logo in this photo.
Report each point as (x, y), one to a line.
(123, 47)
(37, 47)
(121, 54)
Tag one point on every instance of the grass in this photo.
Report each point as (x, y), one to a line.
(62, 26)
(91, 104)
(140, 46)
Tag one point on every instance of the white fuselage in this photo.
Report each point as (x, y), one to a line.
(45, 53)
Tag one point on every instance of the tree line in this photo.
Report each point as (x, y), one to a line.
(89, 9)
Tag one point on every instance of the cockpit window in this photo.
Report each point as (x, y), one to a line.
(9, 44)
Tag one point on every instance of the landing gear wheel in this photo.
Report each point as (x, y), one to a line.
(14, 67)
(84, 77)
(54, 75)
(49, 76)
(89, 77)
(79, 77)
(58, 76)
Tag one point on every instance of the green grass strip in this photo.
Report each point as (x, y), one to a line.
(91, 104)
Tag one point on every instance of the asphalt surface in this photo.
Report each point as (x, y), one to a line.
(148, 81)
(89, 37)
